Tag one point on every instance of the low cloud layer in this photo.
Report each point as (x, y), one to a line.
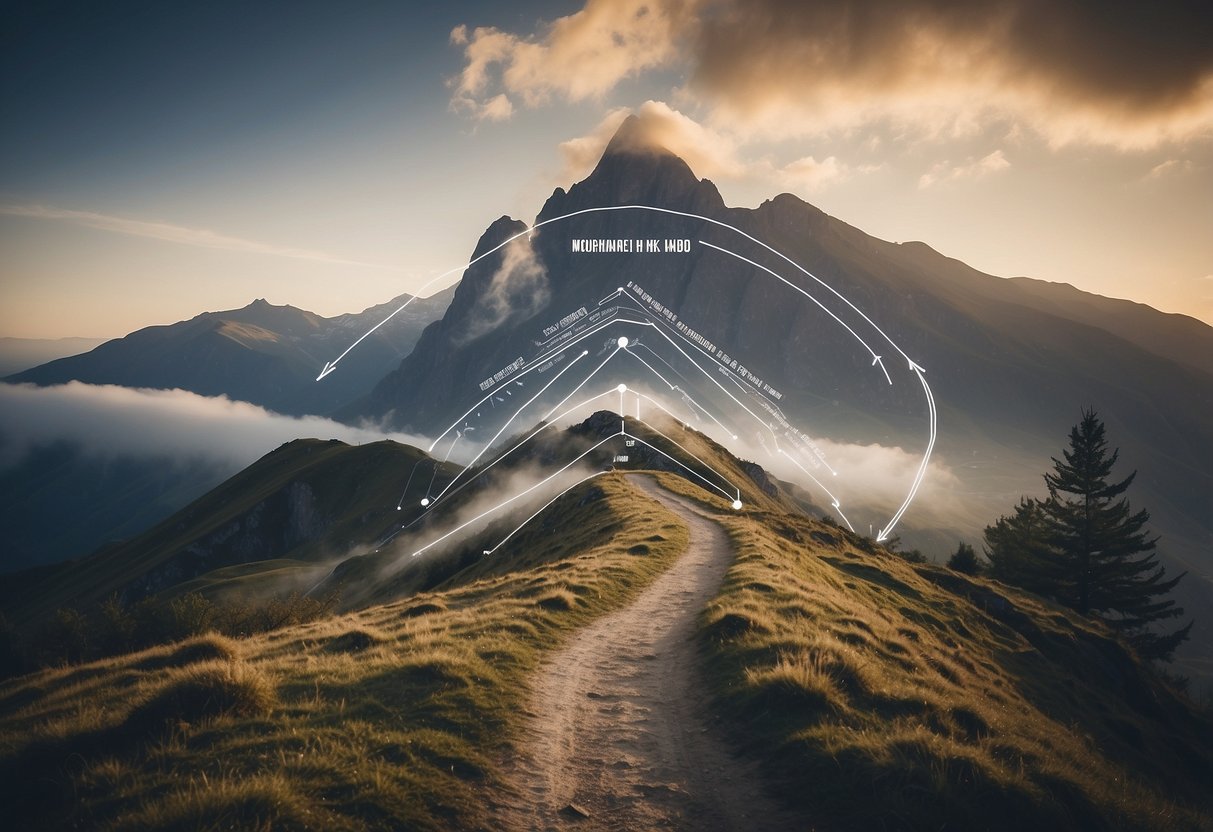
(173, 424)
(1118, 73)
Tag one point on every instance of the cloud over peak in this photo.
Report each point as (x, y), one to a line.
(711, 153)
(1118, 73)
(578, 57)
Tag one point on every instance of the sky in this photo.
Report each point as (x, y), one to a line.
(159, 160)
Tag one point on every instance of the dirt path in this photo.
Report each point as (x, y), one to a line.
(619, 723)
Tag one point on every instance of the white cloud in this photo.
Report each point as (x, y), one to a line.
(787, 68)
(972, 169)
(711, 153)
(518, 288)
(112, 421)
(580, 56)
(1169, 168)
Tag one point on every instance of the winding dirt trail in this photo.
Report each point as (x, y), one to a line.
(619, 722)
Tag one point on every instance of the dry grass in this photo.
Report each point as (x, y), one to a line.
(386, 718)
(882, 695)
(201, 693)
(877, 694)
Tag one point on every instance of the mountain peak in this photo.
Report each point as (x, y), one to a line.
(635, 136)
(636, 168)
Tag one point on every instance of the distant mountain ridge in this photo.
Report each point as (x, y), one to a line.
(18, 354)
(264, 354)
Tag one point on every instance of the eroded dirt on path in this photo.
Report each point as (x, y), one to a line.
(620, 725)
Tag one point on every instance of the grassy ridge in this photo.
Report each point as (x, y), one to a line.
(878, 694)
(386, 718)
(885, 695)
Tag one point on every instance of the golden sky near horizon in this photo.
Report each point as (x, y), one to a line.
(162, 162)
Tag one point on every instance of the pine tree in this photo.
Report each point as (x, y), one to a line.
(1106, 557)
(964, 560)
(1019, 552)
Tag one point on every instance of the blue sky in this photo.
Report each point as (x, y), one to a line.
(162, 159)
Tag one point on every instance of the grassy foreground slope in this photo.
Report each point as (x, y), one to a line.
(881, 694)
(878, 694)
(387, 718)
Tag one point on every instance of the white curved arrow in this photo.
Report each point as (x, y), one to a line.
(331, 366)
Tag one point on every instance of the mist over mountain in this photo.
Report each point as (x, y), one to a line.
(82, 465)
(264, 354)
(1010, 361)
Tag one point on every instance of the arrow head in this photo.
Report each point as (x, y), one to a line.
(328, 368)
(915, 367)
(883, 536)
(876, 360)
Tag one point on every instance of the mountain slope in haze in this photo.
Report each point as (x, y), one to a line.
(870, 692)
(59, 501)
(312, 503)
(306, 502)
(1011, 362)
(17, 354)
(264, 354)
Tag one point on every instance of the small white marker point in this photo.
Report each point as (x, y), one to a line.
(623, 388)
(425, 501)
(622, 342)
(737, 505)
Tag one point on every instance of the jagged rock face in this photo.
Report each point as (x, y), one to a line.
(1008, 357)
(740, 307)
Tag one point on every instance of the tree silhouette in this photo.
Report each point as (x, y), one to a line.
(1087, 548)
(1018, 551)
(964, 560)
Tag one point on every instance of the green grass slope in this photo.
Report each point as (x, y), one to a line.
(881, 694)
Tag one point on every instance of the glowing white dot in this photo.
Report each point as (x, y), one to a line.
(737, 505)
(398, 508)
(622, 342)
(425, 501)
(623, 388)
(734, 437)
